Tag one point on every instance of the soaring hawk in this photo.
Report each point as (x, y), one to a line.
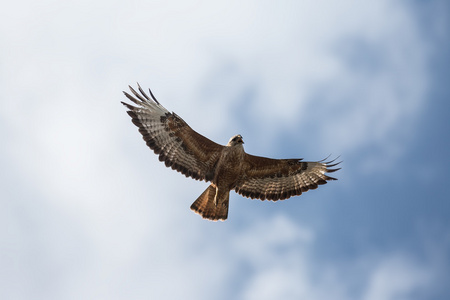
(226, 167)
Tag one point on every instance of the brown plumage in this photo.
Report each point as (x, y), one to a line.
(226, 167)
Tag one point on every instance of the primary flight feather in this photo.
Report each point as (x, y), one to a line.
(226, 167)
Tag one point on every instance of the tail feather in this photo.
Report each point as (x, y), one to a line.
(206, 207)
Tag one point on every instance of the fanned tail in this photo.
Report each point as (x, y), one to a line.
(206, 207)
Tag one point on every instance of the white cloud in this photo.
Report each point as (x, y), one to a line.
(297, 56)
(90, 212)
(397, 277)
(280, 259)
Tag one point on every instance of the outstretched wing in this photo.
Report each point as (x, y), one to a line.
(277, 179)
(169, 136)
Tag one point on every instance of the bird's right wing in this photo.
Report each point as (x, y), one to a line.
(170, 137)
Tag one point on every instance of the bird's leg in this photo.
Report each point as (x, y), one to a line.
(215, 197)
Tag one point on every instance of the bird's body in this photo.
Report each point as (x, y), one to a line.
(213, 203)
(226, 167)
(229, 166)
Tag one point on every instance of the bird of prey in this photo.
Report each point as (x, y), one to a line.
(226, 167)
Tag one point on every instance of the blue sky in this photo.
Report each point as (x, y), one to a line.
(88, 212)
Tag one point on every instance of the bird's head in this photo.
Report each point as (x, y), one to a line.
(236, 140)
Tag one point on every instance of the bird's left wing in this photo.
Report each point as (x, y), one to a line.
(277, 179)
(169, 136)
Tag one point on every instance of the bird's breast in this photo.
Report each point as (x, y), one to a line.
(229, 168)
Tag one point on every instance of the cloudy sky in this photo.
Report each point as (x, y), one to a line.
(88, 212)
